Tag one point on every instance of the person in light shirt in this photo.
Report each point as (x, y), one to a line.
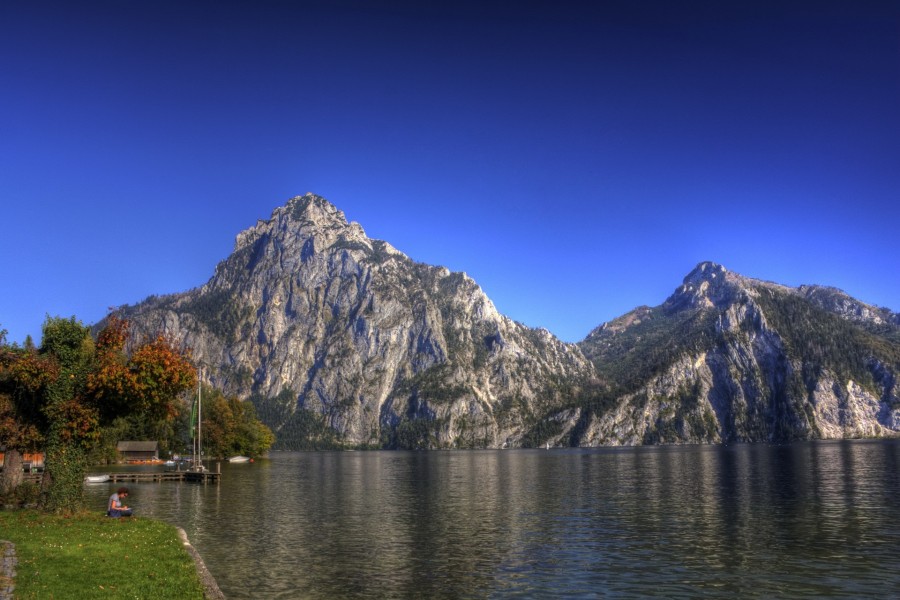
(116, 507)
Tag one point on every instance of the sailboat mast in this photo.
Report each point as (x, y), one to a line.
(199, 417)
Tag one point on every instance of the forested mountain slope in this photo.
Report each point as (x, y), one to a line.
(728, 358)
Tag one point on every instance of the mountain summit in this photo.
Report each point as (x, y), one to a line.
(340, 340)
(729, 358)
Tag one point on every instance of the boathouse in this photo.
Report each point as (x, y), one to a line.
(31, 461)
(138, 451)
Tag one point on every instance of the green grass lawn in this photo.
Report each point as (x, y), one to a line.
(93, 556)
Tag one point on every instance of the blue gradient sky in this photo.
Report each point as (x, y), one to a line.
(576, 159)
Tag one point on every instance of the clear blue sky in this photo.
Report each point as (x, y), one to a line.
(576, 159)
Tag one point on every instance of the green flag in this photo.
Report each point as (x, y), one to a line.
(194, 419)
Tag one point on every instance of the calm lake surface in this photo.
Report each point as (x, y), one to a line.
(803, 520)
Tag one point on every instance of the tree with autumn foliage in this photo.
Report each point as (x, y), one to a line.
(140, 391)
(24, 377)
(148, 382)
(63, 393)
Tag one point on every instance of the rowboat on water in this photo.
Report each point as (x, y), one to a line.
(239, 459)
(96, 478)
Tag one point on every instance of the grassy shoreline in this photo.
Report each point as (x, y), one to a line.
(91, 556)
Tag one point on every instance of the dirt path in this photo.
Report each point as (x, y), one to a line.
(7, 569)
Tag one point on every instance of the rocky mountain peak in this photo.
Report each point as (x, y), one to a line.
(706, 271)
(313, 209)
(709, 284)
(302, 218)
(325, 328)
(732, 358)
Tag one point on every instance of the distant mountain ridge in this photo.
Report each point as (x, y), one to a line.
(729, 358)
(343, 341)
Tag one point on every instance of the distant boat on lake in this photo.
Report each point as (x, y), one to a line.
(96, 479)
(239, 459)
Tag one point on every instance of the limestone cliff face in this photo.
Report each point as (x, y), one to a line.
(343, 341)
(343, 338)
(728, 358)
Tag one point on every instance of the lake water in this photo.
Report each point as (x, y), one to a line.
(753, 521)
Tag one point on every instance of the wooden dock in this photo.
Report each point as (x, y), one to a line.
(160, 476)
(149, 476)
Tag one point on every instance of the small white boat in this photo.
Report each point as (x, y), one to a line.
(239, 459)
(96, 479)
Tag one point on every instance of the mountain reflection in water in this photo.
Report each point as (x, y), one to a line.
(808, 519)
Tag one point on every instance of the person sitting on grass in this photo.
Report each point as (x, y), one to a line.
(115, 507)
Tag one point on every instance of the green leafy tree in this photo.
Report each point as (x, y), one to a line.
(230, 427)
(72, 424)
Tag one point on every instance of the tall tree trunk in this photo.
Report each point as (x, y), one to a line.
(12, 476)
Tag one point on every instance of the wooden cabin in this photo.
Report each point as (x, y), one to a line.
(138, 452)
(31, 461)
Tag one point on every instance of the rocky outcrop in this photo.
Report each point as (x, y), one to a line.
(838, 302)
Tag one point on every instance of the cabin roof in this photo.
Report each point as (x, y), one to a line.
(129, 446)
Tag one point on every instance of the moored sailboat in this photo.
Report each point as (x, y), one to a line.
(196, 421)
